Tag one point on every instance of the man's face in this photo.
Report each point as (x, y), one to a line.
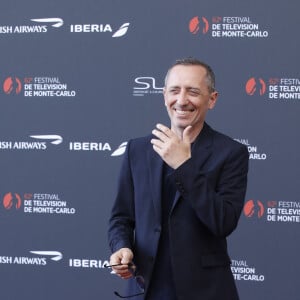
(187, 97)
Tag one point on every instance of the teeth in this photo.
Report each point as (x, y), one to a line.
(182, 112)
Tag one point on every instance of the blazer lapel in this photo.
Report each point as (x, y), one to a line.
(155, 164)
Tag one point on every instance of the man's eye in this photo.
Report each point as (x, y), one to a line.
(174, 91)
(194, 93)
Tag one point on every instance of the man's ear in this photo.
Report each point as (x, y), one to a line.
(213, 100)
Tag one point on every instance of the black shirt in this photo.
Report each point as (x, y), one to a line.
(162, 284)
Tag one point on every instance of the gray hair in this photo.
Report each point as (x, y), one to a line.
(190, 61)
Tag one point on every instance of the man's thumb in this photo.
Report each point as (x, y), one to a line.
(186, 134)
(126, 256)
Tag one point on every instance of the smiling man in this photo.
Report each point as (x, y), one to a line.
(180, 194)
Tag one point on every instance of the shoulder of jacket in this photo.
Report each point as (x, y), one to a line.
(223, 139)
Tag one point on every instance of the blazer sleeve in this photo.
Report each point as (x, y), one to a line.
(121, 223)
(217, 192)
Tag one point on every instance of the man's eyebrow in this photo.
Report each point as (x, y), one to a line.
(189, 88)
(193, 88)
(174, 87)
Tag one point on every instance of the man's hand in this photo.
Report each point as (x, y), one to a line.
(122, 258)
(171, 148)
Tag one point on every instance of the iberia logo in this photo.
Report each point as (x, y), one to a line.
(254, 208)
(12, 200)
(12, 85)
(254, 86)
(197, 23)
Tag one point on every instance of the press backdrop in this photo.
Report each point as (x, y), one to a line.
(80, 78)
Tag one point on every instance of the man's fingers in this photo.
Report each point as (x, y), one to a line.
(123, 270)
(161, 127)
(167, 131)
(124, 274)
(121, 259)
(160, 135)
(121, 263)
(156, 143)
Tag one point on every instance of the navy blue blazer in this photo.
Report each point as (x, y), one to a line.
(211, 187)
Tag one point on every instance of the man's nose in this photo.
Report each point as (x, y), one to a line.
(182, 98)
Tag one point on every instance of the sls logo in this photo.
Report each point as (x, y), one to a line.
(255, 86)
(197, 23)
(12, 85)
(146, 85)
(12, 200)
(254, 208)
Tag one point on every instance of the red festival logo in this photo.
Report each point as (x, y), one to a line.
(254, 208)
(253, 86)
(195, 24)
(12, 85)
(12, 199)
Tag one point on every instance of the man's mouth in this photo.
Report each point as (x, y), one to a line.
(183, 112)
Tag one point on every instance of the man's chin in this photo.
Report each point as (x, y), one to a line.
(182, 125)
